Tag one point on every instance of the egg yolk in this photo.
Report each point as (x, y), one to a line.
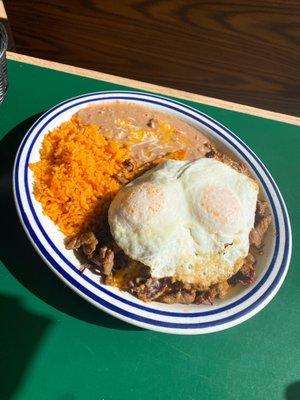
(143, 201)
(219, 207)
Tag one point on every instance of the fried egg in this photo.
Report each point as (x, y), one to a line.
(186, 219)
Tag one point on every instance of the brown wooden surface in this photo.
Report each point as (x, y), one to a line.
(242, 51)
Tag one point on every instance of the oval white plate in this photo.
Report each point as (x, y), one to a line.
(242, 303)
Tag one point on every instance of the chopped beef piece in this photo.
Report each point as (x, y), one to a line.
(187, 296)
(71, 243)
(262, 208)
(245, 275)
(107, 257)
(90, 244)
(183, 297)
(219, 290)
(257, 233)
(169, 298)
(87, 241)
(248, 263)
(129, 165)
(262, 221)
(151, 289)
(203, 297)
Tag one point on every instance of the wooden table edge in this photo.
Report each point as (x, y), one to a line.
(2, 11)
(290, 119)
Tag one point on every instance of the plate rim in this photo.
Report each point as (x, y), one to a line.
(287, 253)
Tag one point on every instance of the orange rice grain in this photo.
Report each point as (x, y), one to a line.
(74, 178)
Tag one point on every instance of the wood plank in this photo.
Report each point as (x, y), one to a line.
(242, 51)
(155, 88)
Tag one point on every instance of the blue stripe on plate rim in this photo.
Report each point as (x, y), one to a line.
(104, 303)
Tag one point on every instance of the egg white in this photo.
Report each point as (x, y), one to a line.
(187, 220)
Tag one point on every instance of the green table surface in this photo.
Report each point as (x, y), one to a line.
(54, 345)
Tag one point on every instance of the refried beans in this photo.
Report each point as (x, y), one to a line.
(150, 133)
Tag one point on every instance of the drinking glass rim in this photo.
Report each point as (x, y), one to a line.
(3, 43)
